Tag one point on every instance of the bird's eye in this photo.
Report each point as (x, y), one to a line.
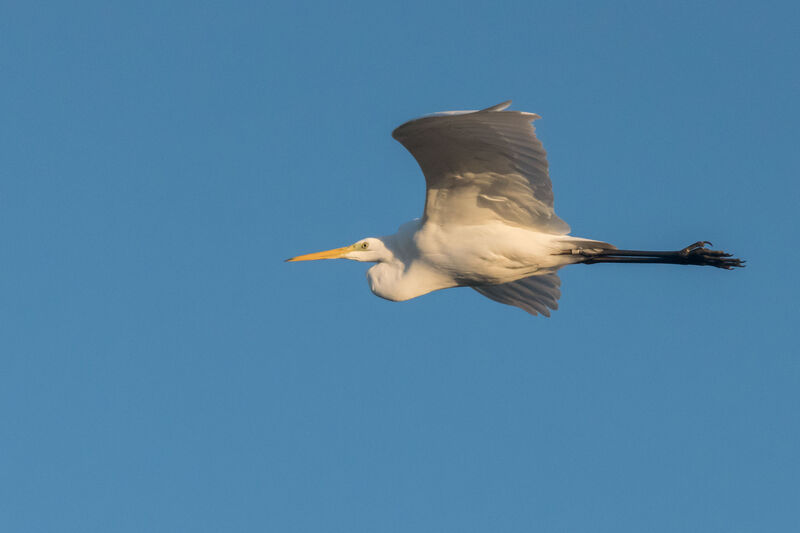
(364, 245)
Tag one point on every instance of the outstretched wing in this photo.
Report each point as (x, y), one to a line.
(535, 294)
(481, 166)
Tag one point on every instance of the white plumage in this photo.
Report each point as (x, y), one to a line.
(488, 220)
(482, 167)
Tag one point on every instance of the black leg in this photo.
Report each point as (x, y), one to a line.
(694, 254)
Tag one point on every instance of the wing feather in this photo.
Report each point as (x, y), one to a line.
(481, 166)
(534, 294)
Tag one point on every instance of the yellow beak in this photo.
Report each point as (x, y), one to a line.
(327, 254)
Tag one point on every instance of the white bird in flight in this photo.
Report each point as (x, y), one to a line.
(489, 221)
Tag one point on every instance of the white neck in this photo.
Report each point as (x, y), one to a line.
(404, 276)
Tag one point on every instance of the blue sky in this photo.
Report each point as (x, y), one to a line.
(162, 369)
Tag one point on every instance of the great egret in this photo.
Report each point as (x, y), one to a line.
(488, 221)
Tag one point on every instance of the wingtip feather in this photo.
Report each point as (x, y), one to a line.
(499, 107)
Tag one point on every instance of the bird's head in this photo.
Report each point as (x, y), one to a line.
(366, 250)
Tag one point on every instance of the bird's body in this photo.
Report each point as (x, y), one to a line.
(424, 257)
(489, 221)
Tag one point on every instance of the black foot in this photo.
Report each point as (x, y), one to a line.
(698, 254)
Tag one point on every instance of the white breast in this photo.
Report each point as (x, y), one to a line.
(396, 282)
